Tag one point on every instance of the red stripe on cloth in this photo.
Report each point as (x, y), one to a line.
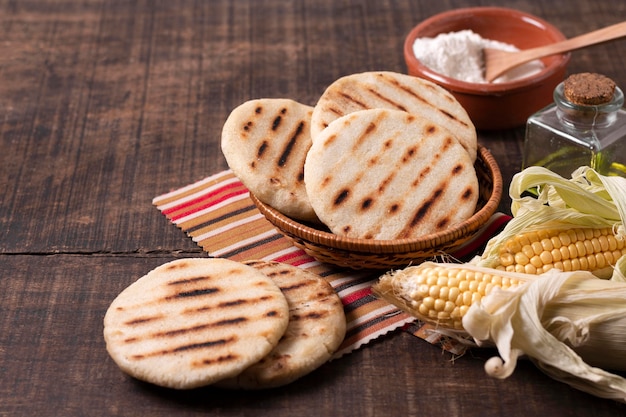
(357, 295)
(302, 261)
(290, 256)
(208, 204)
(208, 196)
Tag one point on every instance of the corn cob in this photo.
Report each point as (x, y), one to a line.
(441, 294)
(588, 249)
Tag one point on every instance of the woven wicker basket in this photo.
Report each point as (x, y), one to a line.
(384, 254)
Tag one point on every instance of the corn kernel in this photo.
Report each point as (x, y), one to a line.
(456, 313)
(528, 251)
(442, 281)
(513, 246)
(443, 315)
(567, 265)
(523, 240)
(595, 243)
(429, 302)
(604, 243)
(592, 262)
(433, 291)
(537, 248)
(475, 298)
(506, 259)
(467, 298)
(546, 257)
(543, 234)
(547, 245)
(443, 292)
(536, 261)
(521, 258)
(453, 293)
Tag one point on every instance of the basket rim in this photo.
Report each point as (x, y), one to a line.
(333, 241)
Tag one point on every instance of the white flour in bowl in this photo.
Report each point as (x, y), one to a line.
(459, 55)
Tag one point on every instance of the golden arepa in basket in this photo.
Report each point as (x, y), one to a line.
(359, 254)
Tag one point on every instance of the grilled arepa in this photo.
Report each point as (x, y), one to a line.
(317, 326)
(388, 174)
(192, 322)
(395, 91)
(265, 142)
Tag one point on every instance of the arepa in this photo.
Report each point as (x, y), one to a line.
(395, 91)
(192, 322)
(265, 142)
(317, 326)
(388, 174)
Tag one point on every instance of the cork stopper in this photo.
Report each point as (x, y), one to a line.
(588, 89)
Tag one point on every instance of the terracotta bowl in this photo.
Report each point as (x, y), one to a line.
(373, 254)
(493, 106)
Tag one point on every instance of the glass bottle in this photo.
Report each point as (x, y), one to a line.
(581, 128)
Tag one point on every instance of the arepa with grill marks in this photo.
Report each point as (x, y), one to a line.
(394, 91)
(192, 322)
(317, 326)
(388, 174)
(265, 142)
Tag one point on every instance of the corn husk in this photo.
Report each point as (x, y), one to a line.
(572, 325)
(542, 199)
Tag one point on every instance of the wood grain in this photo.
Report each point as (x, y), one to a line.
(105, 104)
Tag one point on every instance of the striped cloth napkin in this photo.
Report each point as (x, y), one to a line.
(218, 214)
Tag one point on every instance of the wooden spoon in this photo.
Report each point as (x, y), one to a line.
(497, 62)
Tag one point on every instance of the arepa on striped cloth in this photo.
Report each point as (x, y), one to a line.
(218, 214)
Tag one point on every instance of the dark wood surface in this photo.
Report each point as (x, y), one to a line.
(107, 104)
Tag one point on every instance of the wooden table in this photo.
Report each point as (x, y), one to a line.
(107, 104)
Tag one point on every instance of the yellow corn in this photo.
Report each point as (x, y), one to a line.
(588, 249)
(441, 294)
(571, 324)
